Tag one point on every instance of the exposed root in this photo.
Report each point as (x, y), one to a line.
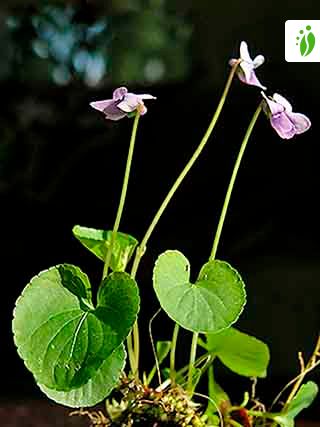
(97, 418)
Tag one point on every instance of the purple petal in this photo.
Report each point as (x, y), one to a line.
(273, 106)
(247, 69)
(282, 101)
(119, 93)
(253, 80)
(233, 62)
(247, 75)
(101, 105)
(116, 117)
(300, 122)
(283, 125)
(112, 112)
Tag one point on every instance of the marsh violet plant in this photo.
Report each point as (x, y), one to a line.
(82, 343)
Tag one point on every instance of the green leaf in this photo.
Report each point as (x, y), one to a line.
(242, 353)
(307, 44)
(98, 242)
(302, 400)
(163, 349)
(213, 303)
(217, 394)
(196, 374)
(78, 284)
(97, 388)
(303, 46)
(62, 344)
(311, 41)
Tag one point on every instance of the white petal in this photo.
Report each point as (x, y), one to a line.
(146, 96)
(244, 52)
(282, 101)
(258, 60)
(127, 107)
(247, 69)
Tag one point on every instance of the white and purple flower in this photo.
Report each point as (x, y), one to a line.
(247, 66)
(283, 120)
(122, 104)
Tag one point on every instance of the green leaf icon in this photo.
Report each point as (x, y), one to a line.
(61, 341)
(213, 303)
(307, 44)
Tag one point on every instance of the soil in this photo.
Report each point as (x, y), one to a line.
(36, 413)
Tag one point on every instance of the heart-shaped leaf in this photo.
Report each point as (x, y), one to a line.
(97, 388)
(213, 303)
(242, 353)
(62, 342)
(302, 400)
(98, 242)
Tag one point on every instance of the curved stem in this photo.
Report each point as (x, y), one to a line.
(193, 353)
(304, 370)
(136, 343)
(131, 357)
(173, 353)
(123, 194)
(181, 371)
(142, 247)
(232, 181)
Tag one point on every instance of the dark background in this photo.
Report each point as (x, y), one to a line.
(62, 164)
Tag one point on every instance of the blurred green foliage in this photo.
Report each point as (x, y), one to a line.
(62, 42)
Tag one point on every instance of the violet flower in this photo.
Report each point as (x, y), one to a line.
(282, 119)
(247, 66)
(122, 104)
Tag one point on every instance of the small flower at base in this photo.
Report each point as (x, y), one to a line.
(284, 121)
(247, 66)
(122, 104)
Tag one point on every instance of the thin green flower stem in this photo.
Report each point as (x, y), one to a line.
(193, 353)
(196, 363)
(123, 194)
(136, 348)
(185, 369)
(116, 225)
(131, 352)
(142, 247)
(261, 414)
(173, 353)
(140, 251)
(234, 423)
(232, 181)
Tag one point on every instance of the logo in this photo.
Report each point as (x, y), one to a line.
(302, 41)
